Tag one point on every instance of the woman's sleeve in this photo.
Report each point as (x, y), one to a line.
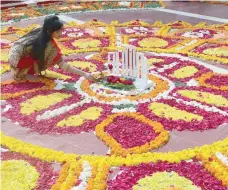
(53, 55)
(15, 54)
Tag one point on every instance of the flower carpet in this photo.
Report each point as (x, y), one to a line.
(188, 95)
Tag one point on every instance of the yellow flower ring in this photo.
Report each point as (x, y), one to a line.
(48, 85)
(117, 149)
(202, 81)
(161, 86)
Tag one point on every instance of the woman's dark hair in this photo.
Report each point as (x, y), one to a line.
(38, 38)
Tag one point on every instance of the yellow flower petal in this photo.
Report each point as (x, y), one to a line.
(185, 72)
(166, 111)
(91, 113)
(206, 97)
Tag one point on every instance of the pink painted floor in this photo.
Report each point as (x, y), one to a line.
(88, 143)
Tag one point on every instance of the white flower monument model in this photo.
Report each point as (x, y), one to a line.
(133, 65)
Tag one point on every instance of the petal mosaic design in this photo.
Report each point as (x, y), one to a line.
(188, 95)
(143, 135)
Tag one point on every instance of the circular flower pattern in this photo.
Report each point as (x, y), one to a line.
(144, 134)
(84, 87)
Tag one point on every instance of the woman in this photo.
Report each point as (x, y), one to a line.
(36, 51)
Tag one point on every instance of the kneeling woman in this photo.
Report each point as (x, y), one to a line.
(36, 51)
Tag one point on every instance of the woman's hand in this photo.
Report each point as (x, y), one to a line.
(89, 77)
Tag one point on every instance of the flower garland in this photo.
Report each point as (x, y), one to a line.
(43, 154)
(13, 89)
(105, 131)
(62, 177)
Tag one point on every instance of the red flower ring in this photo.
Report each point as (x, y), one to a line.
(193, 171)
(47, 174)
(201, 120)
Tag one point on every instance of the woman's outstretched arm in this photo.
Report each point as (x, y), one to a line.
(69, 68)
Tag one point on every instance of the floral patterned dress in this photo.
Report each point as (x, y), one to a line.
(22, 63)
